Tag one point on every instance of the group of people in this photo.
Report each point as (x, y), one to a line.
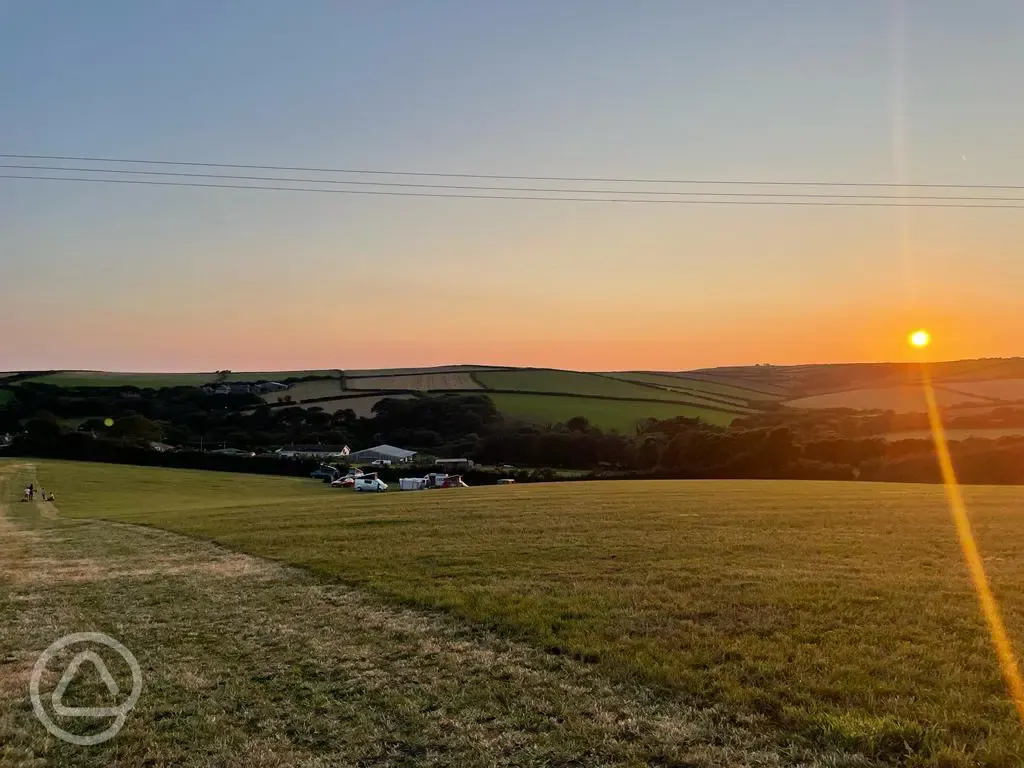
(30, 493)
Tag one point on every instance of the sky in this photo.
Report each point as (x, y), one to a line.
(155, 278)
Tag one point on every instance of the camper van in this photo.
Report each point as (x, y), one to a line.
(370, 483)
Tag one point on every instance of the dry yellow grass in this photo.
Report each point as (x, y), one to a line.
(839, 612)
(274, 668)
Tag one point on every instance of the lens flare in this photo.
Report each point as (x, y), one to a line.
(920, 338)
(1001, 642)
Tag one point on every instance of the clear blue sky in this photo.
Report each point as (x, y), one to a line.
(147, 278)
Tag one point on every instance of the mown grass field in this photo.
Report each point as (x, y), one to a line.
(622, 415)
(839, 613)
(246, 662)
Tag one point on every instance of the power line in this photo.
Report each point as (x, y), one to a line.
(391, 193)
(575, 191)
(588, 179)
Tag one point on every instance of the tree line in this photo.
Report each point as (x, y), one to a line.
(123, 423)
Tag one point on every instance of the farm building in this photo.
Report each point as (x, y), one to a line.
(382, 453)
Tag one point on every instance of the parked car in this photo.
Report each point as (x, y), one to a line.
(370, 483)
(327, 474)
(348, 481)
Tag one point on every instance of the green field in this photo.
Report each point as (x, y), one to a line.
(571, 382)
(622, 415)
(840, 613)
(731, 387)
(693, 388)
(247, 662)
(143, 380)
(6, 396)
(157, 380)
(278, 375)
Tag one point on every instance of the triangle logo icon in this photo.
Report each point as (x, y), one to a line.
(69, 674)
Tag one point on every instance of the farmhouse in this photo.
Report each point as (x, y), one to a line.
(382, 453)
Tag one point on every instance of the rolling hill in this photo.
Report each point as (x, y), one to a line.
(612, 400)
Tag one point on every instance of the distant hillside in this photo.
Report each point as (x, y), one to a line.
(619, 399)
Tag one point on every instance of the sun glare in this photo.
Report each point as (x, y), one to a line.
(920, 339)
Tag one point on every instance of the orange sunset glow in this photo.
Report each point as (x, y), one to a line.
(504, 383)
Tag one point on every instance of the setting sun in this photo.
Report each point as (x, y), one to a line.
(920, 339)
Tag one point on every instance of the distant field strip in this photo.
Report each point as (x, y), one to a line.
(622, 415)
(692, 390)
(752, 390)
(773, 599)
(571, 383)
(307, 390)
(999, 389)
(142, 380)
(278, 375)
(902, 399)
(975, 370)
(158, 380)
(364, 372)
(417, 381)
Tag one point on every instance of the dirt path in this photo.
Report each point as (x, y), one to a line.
(247, 663)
